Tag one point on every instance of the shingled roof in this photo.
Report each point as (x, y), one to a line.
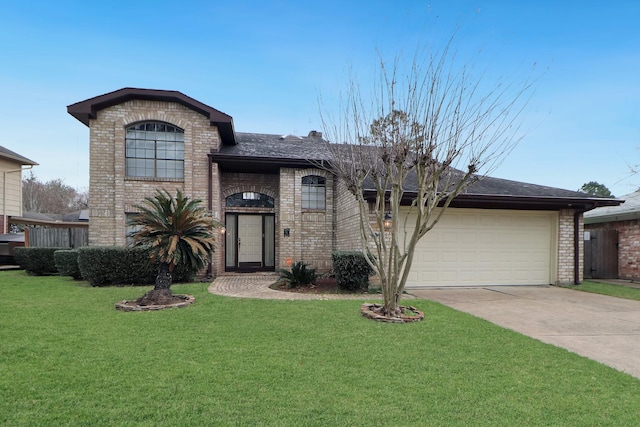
(266, 153)
(628, 210)
(11, 155)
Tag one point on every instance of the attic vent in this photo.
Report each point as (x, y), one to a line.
(290, 137)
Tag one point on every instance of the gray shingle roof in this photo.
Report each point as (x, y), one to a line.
(275, 148)
(11, 155)
(269, 146)
(630, 209)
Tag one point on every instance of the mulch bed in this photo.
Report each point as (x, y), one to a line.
(179, 301)
(323, 285)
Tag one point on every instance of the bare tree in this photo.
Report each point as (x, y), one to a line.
(418, 139)
(53, 196)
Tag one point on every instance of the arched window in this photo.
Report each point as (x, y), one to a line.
(249, 199)
(154, 150)
(313, 192)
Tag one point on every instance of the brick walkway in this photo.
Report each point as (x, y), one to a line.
(257, 286)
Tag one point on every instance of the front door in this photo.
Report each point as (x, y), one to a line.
(250, 242)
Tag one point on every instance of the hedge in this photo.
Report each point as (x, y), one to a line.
(351, 270)
(67, 263)
(36, 261)
(111, 265)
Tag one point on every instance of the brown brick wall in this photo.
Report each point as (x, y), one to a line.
(566, 248)
(628, 246)
(311, 231)
(347, 220)
(111, 194)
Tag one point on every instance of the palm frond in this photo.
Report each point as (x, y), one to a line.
(177, 230)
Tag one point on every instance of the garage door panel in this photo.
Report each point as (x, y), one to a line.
(486, 247)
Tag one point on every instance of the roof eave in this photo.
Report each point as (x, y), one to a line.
(248, 163)
(495, 201)
(23, 161)
(627, 216)
(48, 223)
(88, 109)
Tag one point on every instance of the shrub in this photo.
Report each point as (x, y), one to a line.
(299, 275)
(351, 270)
(111, 265)
(37, 261)
(67, 263)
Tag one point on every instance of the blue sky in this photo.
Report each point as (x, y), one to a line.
(266, 64)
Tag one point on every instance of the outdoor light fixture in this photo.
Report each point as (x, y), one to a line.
(387, 220)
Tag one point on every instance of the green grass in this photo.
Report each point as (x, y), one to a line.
(619, 291)
(68, 358)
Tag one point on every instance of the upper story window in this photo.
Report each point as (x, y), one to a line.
(154, 150)
(313, 192)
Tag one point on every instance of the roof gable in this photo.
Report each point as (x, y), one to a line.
(88, 109)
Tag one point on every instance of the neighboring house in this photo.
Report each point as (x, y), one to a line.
(613, 236)
(277, 207)
(11, 166)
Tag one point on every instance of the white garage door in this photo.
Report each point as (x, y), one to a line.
(471, 247)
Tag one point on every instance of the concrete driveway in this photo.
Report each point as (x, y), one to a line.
(602, 328)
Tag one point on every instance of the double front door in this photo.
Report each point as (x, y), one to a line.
(250, 242)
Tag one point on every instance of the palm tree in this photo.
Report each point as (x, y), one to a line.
(176, 231)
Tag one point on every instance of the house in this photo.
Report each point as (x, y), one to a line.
(11, 166)
(612, 240)
(278, 207)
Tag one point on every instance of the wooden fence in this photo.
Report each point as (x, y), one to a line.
(58, 237)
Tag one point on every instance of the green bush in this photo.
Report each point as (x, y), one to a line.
(21, 256)
(111, 265)
(300, 274)
(37, 261)
(67, 263)
(351, 270)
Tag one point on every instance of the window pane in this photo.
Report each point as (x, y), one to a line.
(148, 154)
(313, 192)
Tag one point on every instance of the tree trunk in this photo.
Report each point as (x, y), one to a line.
(164, 278)
(161, 293)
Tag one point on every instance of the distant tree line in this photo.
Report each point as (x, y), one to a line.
(53, 196)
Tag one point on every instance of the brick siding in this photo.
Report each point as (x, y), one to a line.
(566, 248)
(311, 232)
(111, 194)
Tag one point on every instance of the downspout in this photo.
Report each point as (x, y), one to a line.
(210, 208)
(210, 187)
(5, 217)
(576, 246)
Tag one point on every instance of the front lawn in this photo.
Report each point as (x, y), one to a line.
(619, 291)
(68, 358)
